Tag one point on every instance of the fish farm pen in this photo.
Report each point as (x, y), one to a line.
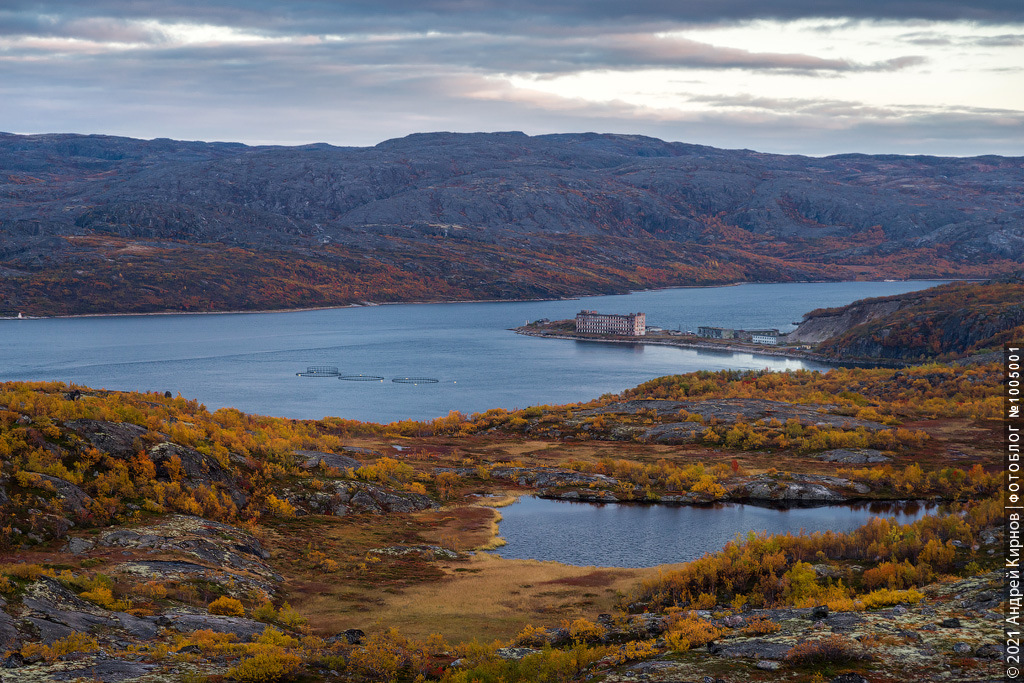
(333, 371)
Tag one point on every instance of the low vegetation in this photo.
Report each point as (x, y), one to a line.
(381, 541)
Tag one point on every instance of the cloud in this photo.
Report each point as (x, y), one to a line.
(494, 16)
(356, 72)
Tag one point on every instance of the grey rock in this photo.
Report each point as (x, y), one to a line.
(768, 665)
(9, 633)
(950, 623)
(844, 622)
(962, 648)
(74, 500)
(752, 649)
(313, 459)
(849, 678)
(245, 629)
(515, 653)
(13, 661)
(674, 432)
(853, 456)
(108, 671)
(77, 546)
(214, 543)
(121, 440)
(990, 651)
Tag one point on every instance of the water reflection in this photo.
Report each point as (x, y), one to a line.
(632, 535)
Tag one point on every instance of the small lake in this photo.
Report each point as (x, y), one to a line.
(636, 535)
(249, 361)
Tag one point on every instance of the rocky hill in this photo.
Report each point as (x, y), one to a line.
(946, 322)
(94, 223)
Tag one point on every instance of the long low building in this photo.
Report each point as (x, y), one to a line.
(592, 322)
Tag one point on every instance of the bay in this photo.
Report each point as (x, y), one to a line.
(249, 361)
(637, 535)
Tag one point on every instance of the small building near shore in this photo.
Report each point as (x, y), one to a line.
(765, 338)
(716, 332)
(592, 322)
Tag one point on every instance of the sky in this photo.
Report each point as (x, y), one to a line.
(810, 77)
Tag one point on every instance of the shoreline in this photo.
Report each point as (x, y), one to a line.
(369, 304)
(754, 349)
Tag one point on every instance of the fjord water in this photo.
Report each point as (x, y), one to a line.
(249, 361)
(637, 535)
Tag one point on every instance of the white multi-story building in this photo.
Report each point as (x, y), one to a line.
(592, 322)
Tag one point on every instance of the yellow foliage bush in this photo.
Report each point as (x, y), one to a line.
(104, 597)
(75, 643)
(689, 632)
(635, 650)
(584, 630)
(289, 617)
(531, 636)
(280, 507)
(885, 597)
(760, 626)
(228, 607)
(266, 664)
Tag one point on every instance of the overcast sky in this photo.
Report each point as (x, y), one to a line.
(803, 76)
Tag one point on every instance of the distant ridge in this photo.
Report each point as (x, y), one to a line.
(94, 223)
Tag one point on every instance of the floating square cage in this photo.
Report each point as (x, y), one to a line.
(320, 371)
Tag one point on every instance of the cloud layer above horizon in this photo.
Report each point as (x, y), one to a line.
(790, 76)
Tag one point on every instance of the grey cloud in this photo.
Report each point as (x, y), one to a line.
(276, 100)
(509, 54)
(496, 16)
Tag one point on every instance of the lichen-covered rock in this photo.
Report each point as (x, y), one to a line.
(853, 456)
(122, 440)
(213, 543)
(313, 459)
(186, 622)
(339, 498)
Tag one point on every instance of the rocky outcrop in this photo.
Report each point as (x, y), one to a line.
(853, 456)
(339, 498)
(314, 459)
(212, 543)
(122, 440)
(674, 432)
(797, 488)
(817, 326)
(537, 477)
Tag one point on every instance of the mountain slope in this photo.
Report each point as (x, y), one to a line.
(423, 213)
(950, 321)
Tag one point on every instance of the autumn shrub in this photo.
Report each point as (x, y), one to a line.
(265, 664)
(264, 612)
(208, 642)
(228, 607)
(686, 632)
(531, 636)
(280, 507)
(384, 654)
(287, 616)
(834, 649)
(72, 644)
(760, 626)
(635, 650)
(885, 597)
(585, 631)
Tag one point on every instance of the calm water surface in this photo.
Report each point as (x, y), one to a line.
(624, 535)
(249, 361)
